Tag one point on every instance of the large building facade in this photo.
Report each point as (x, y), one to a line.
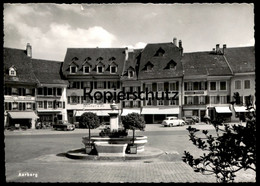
(157, 81)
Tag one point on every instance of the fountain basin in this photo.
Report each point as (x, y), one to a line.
(107, 149)
(139, 141)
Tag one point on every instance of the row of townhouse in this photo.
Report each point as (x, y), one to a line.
(157, 81)
(33, 89)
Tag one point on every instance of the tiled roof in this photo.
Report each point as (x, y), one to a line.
(241, 59)
(22, 63)
(131, 63)
(205, 63)
(94, 56)
(171, 52)
(47, 71)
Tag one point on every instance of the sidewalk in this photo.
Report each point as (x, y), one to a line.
(149, 127)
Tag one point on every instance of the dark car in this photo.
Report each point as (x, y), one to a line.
(189, 120)
(64, 126)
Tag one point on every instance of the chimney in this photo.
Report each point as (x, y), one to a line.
(29, 50)
(175, 41)
(180, 47)
(217, 48)
(224, 47)
(126, 53)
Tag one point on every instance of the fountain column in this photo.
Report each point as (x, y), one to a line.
(114, 117)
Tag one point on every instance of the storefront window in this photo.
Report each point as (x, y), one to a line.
(40, 105)
(50, 104)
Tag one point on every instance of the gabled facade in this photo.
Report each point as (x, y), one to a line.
(19, 88)
(51, 91)
(99, 71)
(161, 70)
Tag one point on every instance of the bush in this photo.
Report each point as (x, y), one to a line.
(113, 134)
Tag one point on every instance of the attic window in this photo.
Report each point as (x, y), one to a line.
(130, 73)
(73, 69)
(113, 68)
(86, 69)
(149, 67)
(12, 71)
(171, 65)
(159, 52)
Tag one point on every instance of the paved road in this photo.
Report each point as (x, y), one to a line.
(40, 153)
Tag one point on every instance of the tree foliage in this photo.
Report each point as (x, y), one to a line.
(133, 121)
(89, 120)
(230, 150)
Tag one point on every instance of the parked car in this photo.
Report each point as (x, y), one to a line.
(190, 120)
(172, 121)
(64, 126)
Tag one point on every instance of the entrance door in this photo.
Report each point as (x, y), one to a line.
(202, 114)
(148, 118)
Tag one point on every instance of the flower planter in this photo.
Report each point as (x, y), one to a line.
(88, 149)
(107, 149)
(132, 149)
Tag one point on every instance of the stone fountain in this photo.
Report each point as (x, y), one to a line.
(114, 146)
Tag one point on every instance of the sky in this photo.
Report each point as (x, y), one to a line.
(52, 28)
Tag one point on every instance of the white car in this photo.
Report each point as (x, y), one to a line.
(172, 121)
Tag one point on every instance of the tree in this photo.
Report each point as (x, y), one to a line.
(232, 149)
(133, 121)
(89, 120)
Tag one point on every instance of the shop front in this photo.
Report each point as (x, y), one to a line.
(25, 118)
(222, 112)
(154, 115)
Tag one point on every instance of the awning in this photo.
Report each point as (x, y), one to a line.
(223, 110)
(240, 109)
(128, 111)
(23, 115)
(98, 112)
(160, 111)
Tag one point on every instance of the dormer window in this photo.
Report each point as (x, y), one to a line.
(12, 71)
(148, 67)
(113, 68)
(100, 68)
(73, 69)
(130, 73)
(171, 65)
(159, 52)
(86, 69)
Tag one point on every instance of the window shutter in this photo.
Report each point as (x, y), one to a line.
(166, 86)
(154, 102)
(166, 102)
(131, 104)
(154, 86)
(45, 104)
(185, 86)
(207, 99)
(33, 92)
(177, 86)
(228, 98)
(20, 91)
(63, 104)
(34, 106)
